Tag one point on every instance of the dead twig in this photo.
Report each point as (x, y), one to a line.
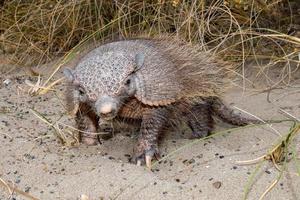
(11, 189)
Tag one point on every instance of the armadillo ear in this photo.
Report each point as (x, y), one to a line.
(139, 60)
(69, 74)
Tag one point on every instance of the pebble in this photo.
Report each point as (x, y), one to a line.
(268, 172)
(27, 189)
(217, 184)
(7, 82)
(188, 162)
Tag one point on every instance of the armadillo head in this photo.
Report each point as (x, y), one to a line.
(105, 81)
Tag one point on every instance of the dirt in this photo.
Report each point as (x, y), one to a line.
(32, 159)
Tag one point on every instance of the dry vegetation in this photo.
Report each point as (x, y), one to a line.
(238, 30)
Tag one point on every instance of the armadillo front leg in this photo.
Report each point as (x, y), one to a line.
(86, 121)
(153, 122)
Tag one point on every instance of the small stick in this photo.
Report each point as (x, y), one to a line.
(12, 189)
(250, 162)
(290, 115)
(5, 185)
(269, 189)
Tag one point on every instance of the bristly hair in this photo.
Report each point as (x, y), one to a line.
(173, 69)
(200, 72)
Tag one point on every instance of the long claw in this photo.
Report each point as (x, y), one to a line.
(139, 163)
(157, 156)
(75, 110)
(148, 161)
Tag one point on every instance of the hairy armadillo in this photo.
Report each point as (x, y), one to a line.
(151, 80)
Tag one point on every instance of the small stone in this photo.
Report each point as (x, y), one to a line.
(111, 158)
(84, 197)
(191, 161)
(200, 156)
(268, 172)
(6, 82)
(27, 189)
(188, 162)
(217, 184)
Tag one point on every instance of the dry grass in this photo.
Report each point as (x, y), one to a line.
(237, 30)
(278, 155)
(11, 189)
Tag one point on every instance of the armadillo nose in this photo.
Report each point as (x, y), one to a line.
(107, 111)
(106, 108)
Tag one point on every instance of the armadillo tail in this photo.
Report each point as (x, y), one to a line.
(229, 115)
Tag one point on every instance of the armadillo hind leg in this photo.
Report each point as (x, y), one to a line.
(147, 147)
(200, 120)
(87, 126)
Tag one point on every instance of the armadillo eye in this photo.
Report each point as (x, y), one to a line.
(128, 81)
(81, 91)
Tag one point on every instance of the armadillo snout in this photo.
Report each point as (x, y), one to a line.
(106, 107)
(107, 110)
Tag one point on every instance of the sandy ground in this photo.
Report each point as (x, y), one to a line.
(32, 160)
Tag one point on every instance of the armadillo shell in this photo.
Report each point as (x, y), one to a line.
(173, 70)
(157, 80)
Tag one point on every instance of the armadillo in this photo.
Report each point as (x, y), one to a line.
(153, 81)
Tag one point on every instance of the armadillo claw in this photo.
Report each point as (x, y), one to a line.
(146, 158)
(148, 161)
(139, 163)
(75, 110)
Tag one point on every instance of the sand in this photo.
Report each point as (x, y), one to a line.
(32, 159)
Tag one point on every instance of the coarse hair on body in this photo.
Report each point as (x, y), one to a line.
(151, 80)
